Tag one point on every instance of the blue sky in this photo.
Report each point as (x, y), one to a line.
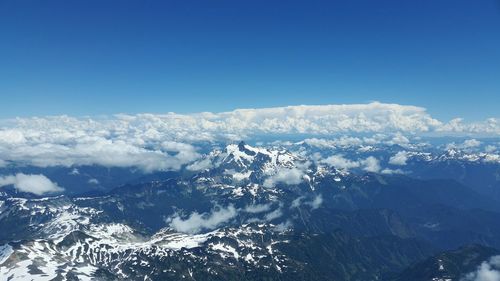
(105, 57)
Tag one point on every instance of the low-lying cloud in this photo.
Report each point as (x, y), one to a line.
(164, 141)
(197, 222)
(399, 158)
(315, 203)
(487, 271)
(258, 208)
(339, 162)
(287, 176)
(36, 184)
(369, 164)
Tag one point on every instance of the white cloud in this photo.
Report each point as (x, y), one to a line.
(12, 136)
(316, 203)
(36, 184)
(371, 164)
(100, 151)
(388, 171)
(286, 176)
(273, 215)
(74, 172)
(284, 226)
(399, 139)
(339, 162)
(197, 222)
(490, 148)
(466, 145)
(487, 271)
(161, 141)
(457, 125)
(471, 143)
(93, 181)
(297, 202)
(200, 165)
(257, 208)
(399, 158)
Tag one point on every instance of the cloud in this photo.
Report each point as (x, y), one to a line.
(284, 226)
(200, 165)
(316, 203)
(339, 162)
(164, 141)
(399, 158)
(273, 215)
(297, 202)
(197, 222)
(487, 271)
(74, 172)
(466, 145)
(93, 181)
(471, 143)
(388, 171)
(257, 208)
(457, 125)
(371, 164)
(286, 176)
(36, 184)
(100, 151)
(490, 148)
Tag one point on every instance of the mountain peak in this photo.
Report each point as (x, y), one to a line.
(241, 145)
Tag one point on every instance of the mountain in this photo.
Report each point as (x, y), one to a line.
(450, 265)
(250, 213)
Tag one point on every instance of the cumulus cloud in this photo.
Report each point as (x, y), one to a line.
(197, 222)
(162, 141)
(399, 158)
(371, 164)
(36, 184)
(100, 151)
(466, 145)
(339, 162)
(487, 271)
(399, 139)
(286, 176)
(458, 126)
(471, 143)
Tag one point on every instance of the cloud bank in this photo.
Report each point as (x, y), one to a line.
(164, 141)
(36, 184)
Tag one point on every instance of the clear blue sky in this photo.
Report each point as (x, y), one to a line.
(104, 57)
